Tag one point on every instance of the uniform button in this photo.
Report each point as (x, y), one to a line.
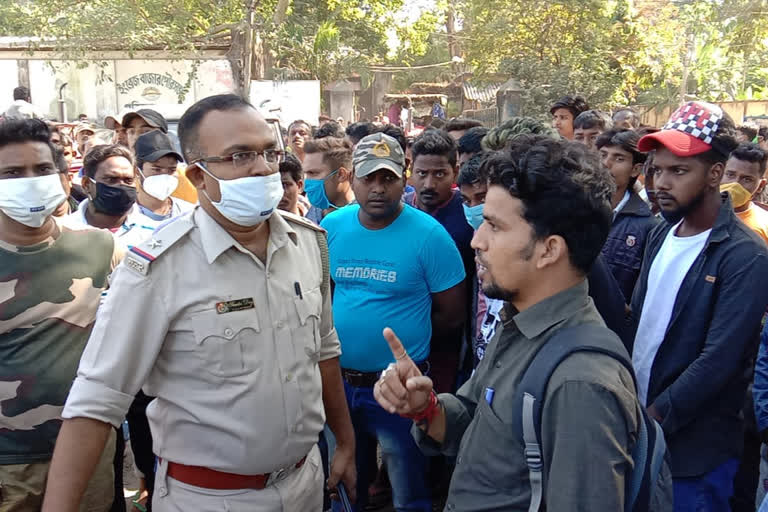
(498, 364)
(458, 461)
(163, 491)
(268, 275)
(229, 332)
(279, 325)
(288, 377)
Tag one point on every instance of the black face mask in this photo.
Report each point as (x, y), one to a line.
(114, 201)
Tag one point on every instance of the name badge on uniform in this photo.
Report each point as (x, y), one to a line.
(234, 305)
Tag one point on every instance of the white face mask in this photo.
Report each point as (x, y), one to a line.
(248, 201)
(160, 186)
(31, 201)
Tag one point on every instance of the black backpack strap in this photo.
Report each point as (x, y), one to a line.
(533, 388)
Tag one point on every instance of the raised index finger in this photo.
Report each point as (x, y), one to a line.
(395, 345)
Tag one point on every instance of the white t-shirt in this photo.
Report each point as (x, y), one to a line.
(669, 268)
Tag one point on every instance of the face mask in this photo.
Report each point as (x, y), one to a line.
(739, 195)
(315, 190)
(114, 201)
(248, 201)
(474, 215)
(30, 201)
(160, 186)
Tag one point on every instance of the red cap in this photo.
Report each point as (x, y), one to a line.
(689, 131)
(679, 143)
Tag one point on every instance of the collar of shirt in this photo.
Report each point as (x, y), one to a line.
(216, 239)
(551, 311)
(622, 203)
(133, 219)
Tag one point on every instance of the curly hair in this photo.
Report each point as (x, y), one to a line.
(564, 192)
(498, 138)
(435, 142)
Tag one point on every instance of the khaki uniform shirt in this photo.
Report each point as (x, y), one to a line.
(229, 346)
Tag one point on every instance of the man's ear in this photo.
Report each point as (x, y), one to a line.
(553, 249)
(195, 175)
(637, 170)
(716, 174)
(760, 189)
(300, 184)
(344, 174)
(88, 185)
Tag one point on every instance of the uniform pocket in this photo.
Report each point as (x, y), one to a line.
(306, 337)
(227, 341)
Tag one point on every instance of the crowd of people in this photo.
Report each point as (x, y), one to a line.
(531, 316)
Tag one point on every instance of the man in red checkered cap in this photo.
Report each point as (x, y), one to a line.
(697, 307)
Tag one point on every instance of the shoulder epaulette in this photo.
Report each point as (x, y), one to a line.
(301, 221)
(140, 257)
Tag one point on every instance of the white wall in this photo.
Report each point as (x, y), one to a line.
(101, 89)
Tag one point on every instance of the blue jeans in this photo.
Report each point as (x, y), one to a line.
(708, 493)
(406, 465)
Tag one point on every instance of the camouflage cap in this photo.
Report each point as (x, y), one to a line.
(378, 151)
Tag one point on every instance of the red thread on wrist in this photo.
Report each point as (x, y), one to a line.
(429, 413)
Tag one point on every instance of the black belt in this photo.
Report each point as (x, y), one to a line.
(368, 379)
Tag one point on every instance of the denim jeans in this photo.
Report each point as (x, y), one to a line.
(406, 465)
(708, 493)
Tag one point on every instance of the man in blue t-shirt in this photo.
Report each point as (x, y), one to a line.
(392, 266)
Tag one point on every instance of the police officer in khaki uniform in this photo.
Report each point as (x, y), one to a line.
(225, 317)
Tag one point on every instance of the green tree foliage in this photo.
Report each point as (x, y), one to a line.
(620, 52)
(319, 39)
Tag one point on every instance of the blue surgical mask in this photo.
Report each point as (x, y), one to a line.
(315, 190)
(474, 215)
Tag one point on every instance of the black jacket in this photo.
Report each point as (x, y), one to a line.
(700, 373)
(623, 250)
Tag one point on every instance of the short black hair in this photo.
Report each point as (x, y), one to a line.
(300, 121)
(435, 142)
(749, 130)
(459, 124)
(750, 152)
(330, 129)
(471, 141)
(292, 165)
(395, 132)
(98, 154)
(575, 104)
(20, 93)
(189, 123)
(634, 117)
(542, 172)
(60, 161)
(624, 139)
(360, 130)
(590, 119)
(19, 131)
(470, 171)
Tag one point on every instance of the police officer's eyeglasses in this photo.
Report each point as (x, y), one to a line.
(245, 159)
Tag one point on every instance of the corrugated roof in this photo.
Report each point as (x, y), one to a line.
(486, 94)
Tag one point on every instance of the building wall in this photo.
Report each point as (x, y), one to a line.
(108, 87)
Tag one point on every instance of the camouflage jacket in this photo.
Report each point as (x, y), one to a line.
(49, 294)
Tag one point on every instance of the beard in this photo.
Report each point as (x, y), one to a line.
(678, 214)
(494, 291)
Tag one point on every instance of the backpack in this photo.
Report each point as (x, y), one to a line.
(649, 486)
